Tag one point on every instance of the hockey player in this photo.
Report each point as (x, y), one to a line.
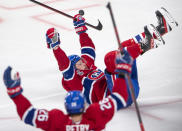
(149, 39)
(81, 71)
(95, 117)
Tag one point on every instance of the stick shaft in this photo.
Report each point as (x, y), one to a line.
(48, 7)
(114, 24)
(99, 27)
(135, 102)
(127, 77)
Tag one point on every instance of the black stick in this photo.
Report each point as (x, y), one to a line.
(126, 76)
(98, 27)
(114, 24)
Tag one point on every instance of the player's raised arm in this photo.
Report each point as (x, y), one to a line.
(53, 42)
(39, 118)
(87, 46)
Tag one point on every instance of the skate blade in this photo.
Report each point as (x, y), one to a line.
(159, 40)
(170, 20)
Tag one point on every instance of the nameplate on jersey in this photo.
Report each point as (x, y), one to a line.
(81, 127)
(95, 75)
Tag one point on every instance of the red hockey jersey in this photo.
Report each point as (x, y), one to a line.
(91, 82)
(95, 117)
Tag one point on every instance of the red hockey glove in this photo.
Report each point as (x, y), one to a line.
(132, 47)
(79, 23)
(134, 50)
(52, 38)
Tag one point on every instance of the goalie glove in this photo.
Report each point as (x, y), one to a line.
(52, 38)
(13, 85)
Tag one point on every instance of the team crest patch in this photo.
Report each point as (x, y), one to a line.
(95, 75)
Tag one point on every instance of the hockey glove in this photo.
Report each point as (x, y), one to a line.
(52, 38)
(79, 23)
(13, 85)
(123, 62)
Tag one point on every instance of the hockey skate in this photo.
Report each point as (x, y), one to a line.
(165, 21)
(152, 38)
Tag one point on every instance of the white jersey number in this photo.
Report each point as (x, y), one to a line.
(42, 115)
(105, 104)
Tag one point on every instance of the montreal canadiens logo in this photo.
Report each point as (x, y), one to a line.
(95, 75)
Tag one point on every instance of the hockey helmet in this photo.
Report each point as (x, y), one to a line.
(74, 58)
(74, 102)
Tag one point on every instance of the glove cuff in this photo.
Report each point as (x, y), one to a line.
(81, 29)
(123, 68)
(15, 91)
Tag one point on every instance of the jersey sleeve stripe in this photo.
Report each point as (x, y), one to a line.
(110, 80)
(30, 116)
(83, 90)
(105, 94)
(115, 103)
(90, 94)
(88, 51)
(34, 119)
(26, 112)
(119, 100)
(69, 73)
(63, 71)
(88, 87)
(88, 47)
(88, 56)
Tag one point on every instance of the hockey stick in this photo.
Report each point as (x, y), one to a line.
(126, 76)
(98, 27)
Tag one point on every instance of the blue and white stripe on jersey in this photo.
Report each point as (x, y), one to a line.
(69, 72)
(88, 87)
(119, 101)
(110, 80)
(89, 51)
(138, 38)
(29, 116)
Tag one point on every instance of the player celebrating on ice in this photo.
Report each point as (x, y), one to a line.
(78, 118)
(80, 73)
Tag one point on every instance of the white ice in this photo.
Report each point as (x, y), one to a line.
(23, 46)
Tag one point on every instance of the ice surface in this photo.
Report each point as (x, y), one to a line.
(22, 45)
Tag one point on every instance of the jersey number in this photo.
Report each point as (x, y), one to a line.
(105, 104)
(42, 115)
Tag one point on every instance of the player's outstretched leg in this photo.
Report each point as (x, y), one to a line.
(165, 21)
(152, 38)
(149, 39)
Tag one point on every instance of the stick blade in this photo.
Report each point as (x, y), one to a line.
(108, 5)
(99, 26)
